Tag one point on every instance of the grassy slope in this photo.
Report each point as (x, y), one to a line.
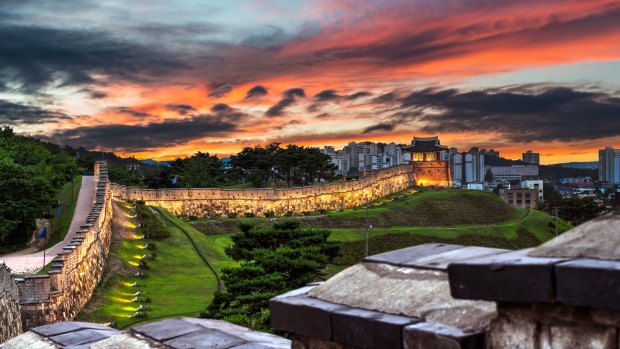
(409, 218)
(178, 282)
(67, 207)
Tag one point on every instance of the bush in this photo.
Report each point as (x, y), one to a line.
(269, 214)
(232, 215)
(322, 211)
(143, 264)
(288, 214)
(306, 213)
(249, 215)
(149, 224)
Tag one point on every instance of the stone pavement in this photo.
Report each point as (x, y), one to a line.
(31, 263)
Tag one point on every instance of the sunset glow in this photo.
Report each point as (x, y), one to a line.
(167, 79)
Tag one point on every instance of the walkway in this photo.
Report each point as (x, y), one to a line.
(31, 263)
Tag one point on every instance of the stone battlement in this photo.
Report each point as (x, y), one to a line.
(76, 270)
(215, 202)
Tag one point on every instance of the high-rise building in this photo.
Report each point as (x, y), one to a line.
(609, 165)
(466, 167)
(531, 158)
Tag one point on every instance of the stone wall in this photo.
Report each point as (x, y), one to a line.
(432, 173)
(553, 326)
(10, 319)
(76, 271)
(215, 202)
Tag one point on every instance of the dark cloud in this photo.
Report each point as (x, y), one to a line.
(143, 137)
(323, 116)
(289, 97)
(181, 109)
(528, 114)
(129, 111)
(386, 98)
(18, 114)
(220, 90)
(256, 91)
(220, 107)
(327, 95)
(378, 127)
(34, 57)
(357, 95)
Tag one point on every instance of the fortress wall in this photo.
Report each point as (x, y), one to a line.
(214, 202)
(76, 271)
(10, 318)
(432, 173)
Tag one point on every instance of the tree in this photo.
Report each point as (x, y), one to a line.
(200, 170)
(273, 260)
(488, 176)
(31, 172)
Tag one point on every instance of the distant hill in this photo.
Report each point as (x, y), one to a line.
(155, 163)
(585, 164)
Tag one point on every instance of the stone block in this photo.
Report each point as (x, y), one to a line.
(426, 335)
(510, 276)
(589, 282)
(303, 315)
(369, 329)
(83, 336)
(512, 332)
(205, 339)
(167, 329)
(568, 337)
(405, 256)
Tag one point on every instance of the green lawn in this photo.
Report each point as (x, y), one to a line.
(178, 281)
(67, 207)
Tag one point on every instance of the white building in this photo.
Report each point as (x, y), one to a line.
(465, 167)
(514, 172)
(534, 184)
(609, 165)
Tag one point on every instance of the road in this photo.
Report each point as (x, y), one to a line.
(21, 263)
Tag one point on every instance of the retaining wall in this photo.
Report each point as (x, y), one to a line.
(75, 272)
(10, 318)
(214, 202)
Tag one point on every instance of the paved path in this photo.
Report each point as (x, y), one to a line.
(31, 263)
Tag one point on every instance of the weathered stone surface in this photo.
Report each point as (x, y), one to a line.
(205, 339)
(369, 329)
(405, 256)
(10, 317)
(512, 332)
(166, 329)
(82, 337)
(203, 333)
(569, 337)
(29, 340)
(302, 342)
(303, 316)
(65, 327)
(426, 335)
(597, 239)
(589, 282)
(509, 276)
(408, 291)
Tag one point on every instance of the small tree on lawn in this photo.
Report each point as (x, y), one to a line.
(273, 260)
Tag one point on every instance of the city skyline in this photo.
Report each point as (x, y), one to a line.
(166, 79)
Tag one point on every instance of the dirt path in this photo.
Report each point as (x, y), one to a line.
(22, 262)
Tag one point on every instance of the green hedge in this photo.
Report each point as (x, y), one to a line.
(150, 225)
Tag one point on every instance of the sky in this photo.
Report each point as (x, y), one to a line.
(163, 79)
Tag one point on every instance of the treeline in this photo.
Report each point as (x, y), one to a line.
(259, 166)
(31, 173)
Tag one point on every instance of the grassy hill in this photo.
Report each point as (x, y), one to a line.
(410, 218)
(178, 282)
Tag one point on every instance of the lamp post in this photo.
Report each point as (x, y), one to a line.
(367, 226)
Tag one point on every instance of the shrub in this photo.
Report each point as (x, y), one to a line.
(232, 215)
(322, 211)
(307, 213)
(249, 215)
(288, 214)
(149, 224)
(269, 214)
(143, 264)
